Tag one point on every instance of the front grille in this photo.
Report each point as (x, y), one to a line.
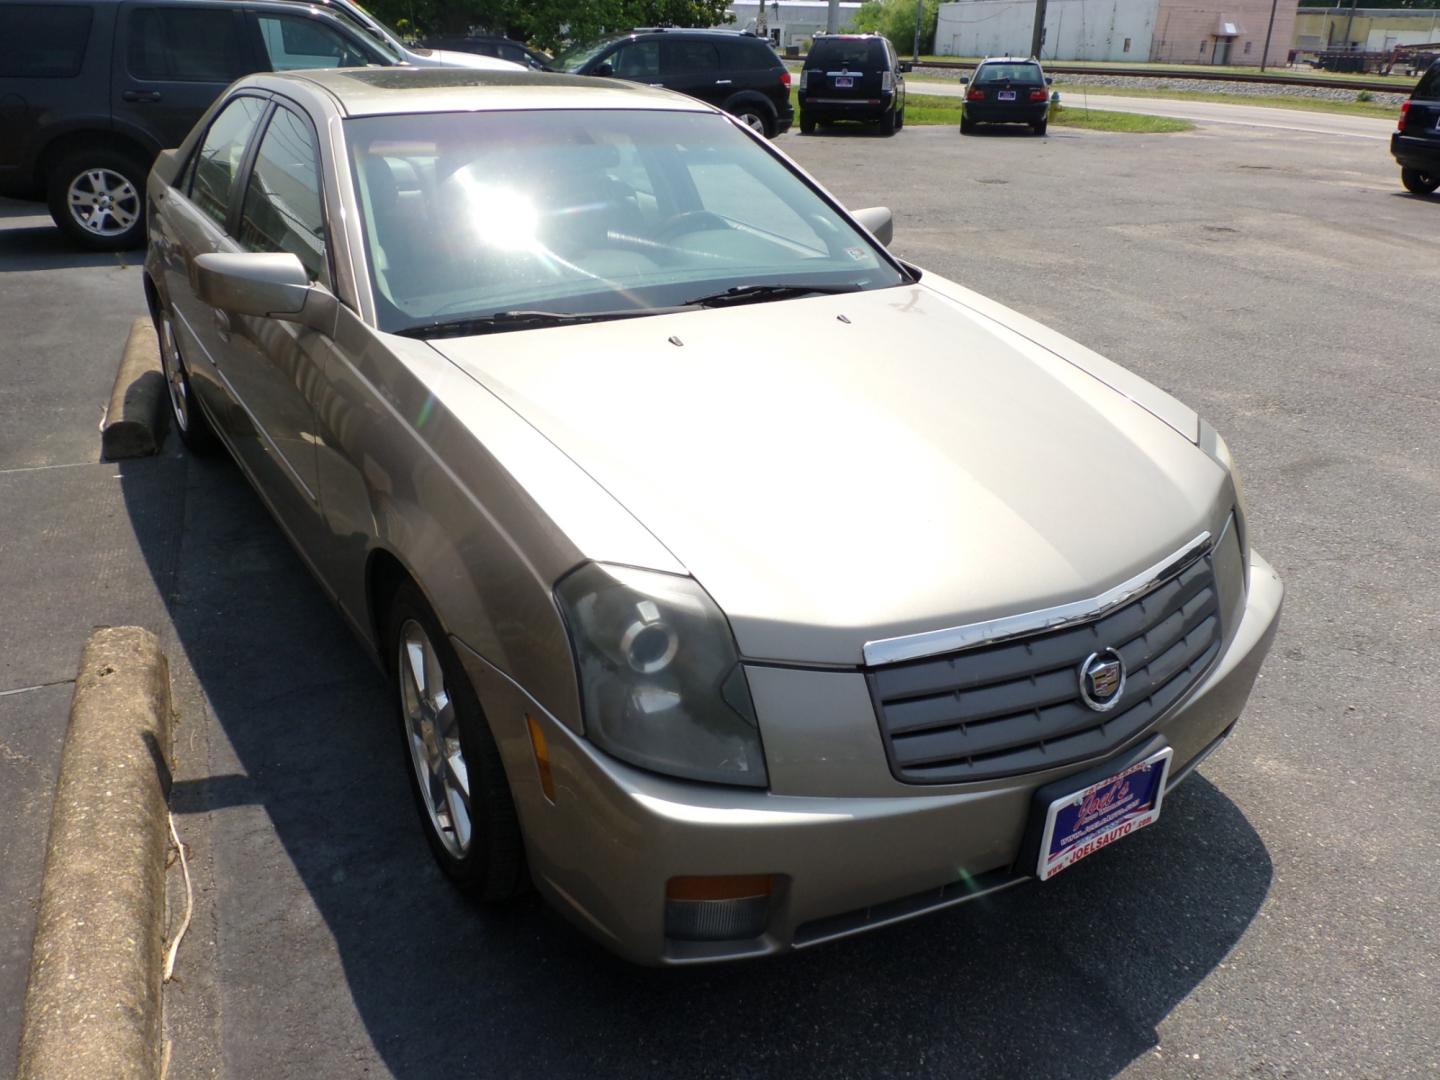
(1015, 706)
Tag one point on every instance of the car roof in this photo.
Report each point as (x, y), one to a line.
(1009, 60)
(378, 91)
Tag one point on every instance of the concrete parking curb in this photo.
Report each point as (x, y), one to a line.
(93, 1004)
(132, 423)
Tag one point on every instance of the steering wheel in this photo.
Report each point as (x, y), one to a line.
(691, 221)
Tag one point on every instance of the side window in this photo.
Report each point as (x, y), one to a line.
(638, 60)
(218, 158)
(1428, 89)
(177, 44)
(691, 58)
(294, 42)
(283, 208)
(39, 42)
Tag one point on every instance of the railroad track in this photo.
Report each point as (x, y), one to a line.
(1329, 83)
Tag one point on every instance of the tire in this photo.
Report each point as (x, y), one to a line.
(755, 114)
(186, 416)
(483, 854)
(97, 197)
(807, 123)
(1419, 181)
(1039, 126)
(887, 122)
(967, 126)
(900, 120)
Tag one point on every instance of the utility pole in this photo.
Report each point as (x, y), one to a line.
(1037, 36)
(919, 9)
(761, 30)
(832, 18)
(1265, 54)
(1348, 24)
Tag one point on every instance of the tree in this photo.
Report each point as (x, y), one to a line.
(546, 23)
(896, 20)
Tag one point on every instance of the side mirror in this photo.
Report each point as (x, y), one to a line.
(906, 67)
(879, 221)
(264, 285)
(604, 70)
(964, 80)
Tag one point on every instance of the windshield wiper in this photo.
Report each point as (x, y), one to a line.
(520, 320)
(753, 294)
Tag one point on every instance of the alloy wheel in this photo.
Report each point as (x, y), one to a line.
(103, 202)
(174, 375)
(754, 121)
(432, 732)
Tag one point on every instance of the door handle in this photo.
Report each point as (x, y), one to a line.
(140, 95)
(222, 324)
(722, 82)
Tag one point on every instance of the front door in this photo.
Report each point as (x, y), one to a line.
(1222, 50)
(171, 62)
(273, 367)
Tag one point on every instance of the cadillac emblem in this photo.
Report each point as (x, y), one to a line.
(1102, 680)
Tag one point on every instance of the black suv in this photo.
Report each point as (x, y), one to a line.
(853, 77)
(496, 45)
(92, 90)
(736, 70)
(1416, 142)
(1007, 90)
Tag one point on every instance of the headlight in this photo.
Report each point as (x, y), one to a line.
(660, 680)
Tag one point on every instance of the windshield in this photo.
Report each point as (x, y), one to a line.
(373, 28)
(467, 215)
(577, 56)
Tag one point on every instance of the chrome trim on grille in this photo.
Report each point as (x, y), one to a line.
(959, 638)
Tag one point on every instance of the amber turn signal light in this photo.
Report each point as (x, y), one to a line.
(542, 757)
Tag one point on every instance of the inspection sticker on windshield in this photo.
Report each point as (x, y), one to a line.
(1081, 823)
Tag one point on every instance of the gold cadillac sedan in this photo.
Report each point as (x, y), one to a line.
(743, 586)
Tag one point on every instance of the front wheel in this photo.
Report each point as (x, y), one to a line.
(185, 415)
(98, 197)
(455, 770)
(1419, 181)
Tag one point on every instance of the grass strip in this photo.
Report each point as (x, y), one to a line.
(931, 109)
(1074, 92)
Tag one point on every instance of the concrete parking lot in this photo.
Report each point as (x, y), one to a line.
(1279, 921)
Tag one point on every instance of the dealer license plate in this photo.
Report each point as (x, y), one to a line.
(1006, 95)
(1080, 824)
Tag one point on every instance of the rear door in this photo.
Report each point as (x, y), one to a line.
(693, 67)
(171, 62)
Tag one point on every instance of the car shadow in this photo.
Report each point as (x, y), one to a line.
(311, 814)
(28, 244)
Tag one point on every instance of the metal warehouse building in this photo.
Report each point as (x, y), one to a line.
(791, 22)
(1173, 31)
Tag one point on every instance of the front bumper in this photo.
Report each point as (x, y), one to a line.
(1413, 153)
(604, 850)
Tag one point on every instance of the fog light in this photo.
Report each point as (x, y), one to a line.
(717, 908)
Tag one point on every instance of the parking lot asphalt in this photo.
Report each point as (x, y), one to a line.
(1277, 922)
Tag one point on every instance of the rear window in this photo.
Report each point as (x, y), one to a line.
(43, 42)
(1429, 87)
(749, 55)
(1024, 74)
(852, 53)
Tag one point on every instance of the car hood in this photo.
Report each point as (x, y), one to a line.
(842, 469)
(451, 58)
